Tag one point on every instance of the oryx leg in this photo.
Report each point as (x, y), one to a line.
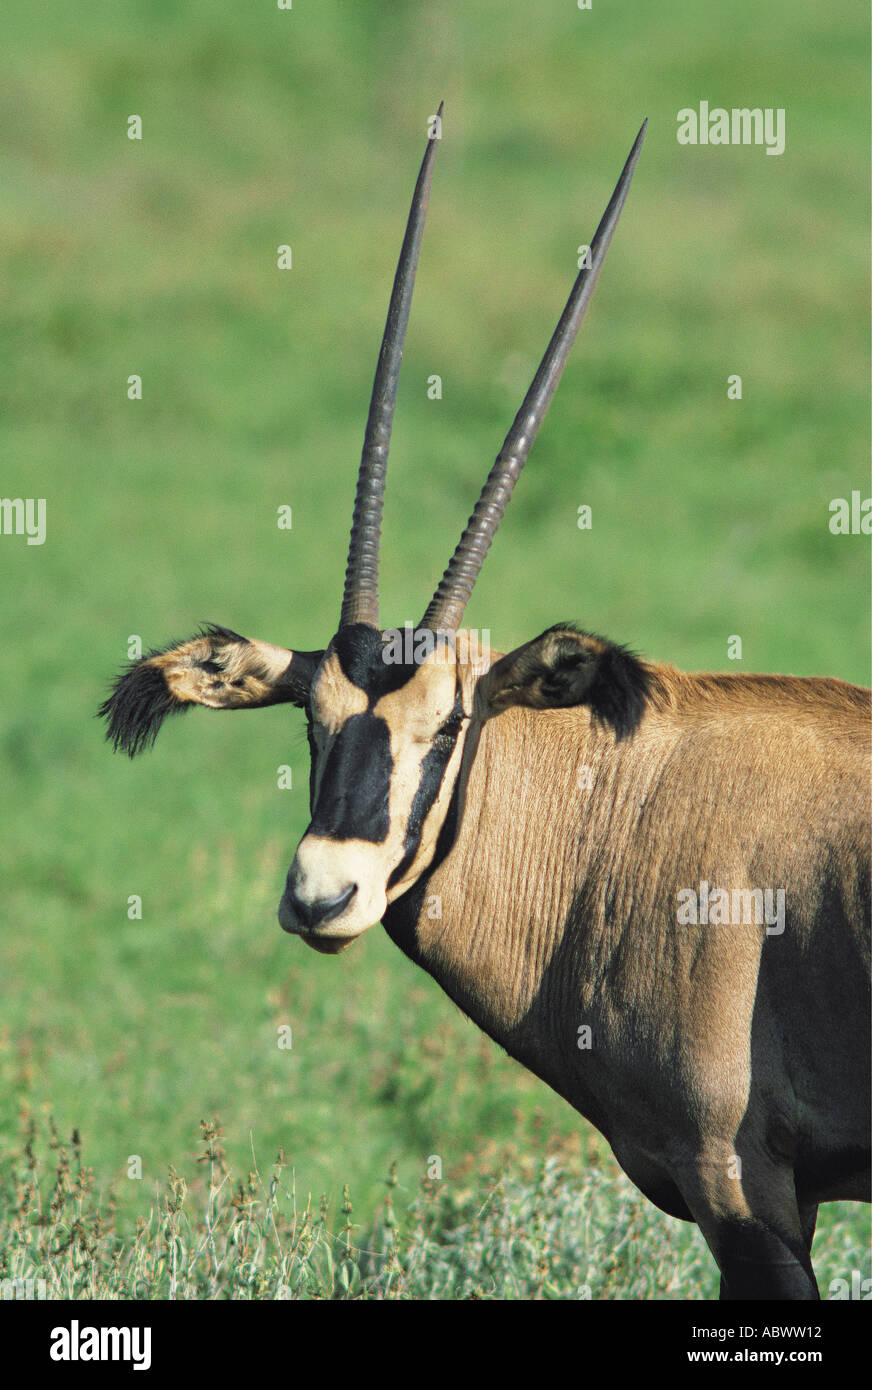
(753, 1227)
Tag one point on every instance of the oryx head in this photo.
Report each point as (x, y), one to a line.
(388, 712)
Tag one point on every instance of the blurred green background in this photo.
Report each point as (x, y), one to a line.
(263, 127)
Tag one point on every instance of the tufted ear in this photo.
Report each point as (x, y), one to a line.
(566, 666)
(218, 668)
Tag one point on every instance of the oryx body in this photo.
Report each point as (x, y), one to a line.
(651, 888)
(727, 1062)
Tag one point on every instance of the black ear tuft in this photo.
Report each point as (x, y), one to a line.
(138, 705)
(567, 666)
(619, 690)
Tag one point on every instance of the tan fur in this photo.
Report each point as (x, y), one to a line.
(334, 698)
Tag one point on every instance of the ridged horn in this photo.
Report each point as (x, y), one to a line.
(446, 610)
(360, 600)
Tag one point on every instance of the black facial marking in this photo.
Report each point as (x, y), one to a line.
(432, 771)
(354, 793)
(313, 758)
(361, 651)
(356, 783)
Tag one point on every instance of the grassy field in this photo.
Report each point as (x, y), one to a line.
(710, 518)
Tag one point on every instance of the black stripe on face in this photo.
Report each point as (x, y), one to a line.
(313, 757)
(356, 783)
(360, 651)
(432, 771)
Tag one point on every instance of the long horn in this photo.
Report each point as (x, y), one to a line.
(449, 602)
(360, 601)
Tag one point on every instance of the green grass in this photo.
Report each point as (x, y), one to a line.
(158, 258)
(524, 1229)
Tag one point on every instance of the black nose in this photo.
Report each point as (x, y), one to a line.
(323, 909)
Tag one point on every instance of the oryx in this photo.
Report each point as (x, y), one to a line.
(569, 838)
